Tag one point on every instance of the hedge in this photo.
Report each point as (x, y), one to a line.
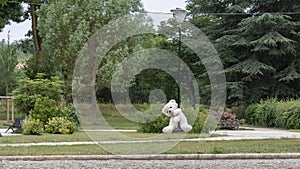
(275, 113)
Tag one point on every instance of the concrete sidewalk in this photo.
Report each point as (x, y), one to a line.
(255, 133)
(9, 133)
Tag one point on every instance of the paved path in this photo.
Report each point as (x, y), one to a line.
(255, 133)
(9, 133)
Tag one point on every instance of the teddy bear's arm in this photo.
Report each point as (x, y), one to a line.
(176, 119)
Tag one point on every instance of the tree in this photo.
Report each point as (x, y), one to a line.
(10, 12)
(18, 15)
(8, 62)
(268, 64)
(65, 28)
(258, 45)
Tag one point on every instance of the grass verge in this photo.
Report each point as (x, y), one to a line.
(238, 146)
(83, 136)
(203, 147)
(294, 130)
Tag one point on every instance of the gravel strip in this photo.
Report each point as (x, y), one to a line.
(165, 164)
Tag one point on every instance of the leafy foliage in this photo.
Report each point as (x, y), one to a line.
(8, 63)
(44, 109)
(60, 125)
(33, 127)
(155, 126)
(259, 49)
(66, 27)
(199, 123)
(10, 12)
(274, 113)
(30, 91)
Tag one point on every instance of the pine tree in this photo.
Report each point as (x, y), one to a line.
(258, 43)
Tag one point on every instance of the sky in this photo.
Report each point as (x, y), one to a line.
(18, 31)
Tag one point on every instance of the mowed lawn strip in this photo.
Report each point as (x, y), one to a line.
(238, 146)
(75, 137)
(198, 147)
(82, 136)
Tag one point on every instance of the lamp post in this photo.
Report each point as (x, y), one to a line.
(179, 15)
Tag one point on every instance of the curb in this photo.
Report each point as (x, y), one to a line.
(242, 156)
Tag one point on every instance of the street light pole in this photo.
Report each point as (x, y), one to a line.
(179, 15)
(179, 71)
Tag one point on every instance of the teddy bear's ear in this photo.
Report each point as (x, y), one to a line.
(176, 104)
(172, 101)
(165, 110)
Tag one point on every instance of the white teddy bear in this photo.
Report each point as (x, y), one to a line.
(171, 110)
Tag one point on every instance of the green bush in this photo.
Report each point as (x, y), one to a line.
(30, 90)
(250, 115)
(274, 113)
(33, 127)
(293, 117)
(60, 125)
(44, 109)
(71, 113)
(199, 123)
(155, 126)
(196, 117)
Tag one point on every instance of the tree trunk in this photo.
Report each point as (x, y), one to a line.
(36, 39)
(7, 102)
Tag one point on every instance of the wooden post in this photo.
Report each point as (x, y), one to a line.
(7, 109)
(12, 111)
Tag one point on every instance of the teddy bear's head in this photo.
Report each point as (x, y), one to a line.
(169, 108)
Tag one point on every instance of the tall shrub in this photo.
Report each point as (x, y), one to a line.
(44, 109)
(30, 90)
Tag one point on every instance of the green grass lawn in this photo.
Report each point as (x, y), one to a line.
(238, 146)
(205, 147)
(4, 122)
(77, 136)
(120, 122)
(294, 130)
(83, 136)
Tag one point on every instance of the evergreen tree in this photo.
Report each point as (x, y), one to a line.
(258, 43)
